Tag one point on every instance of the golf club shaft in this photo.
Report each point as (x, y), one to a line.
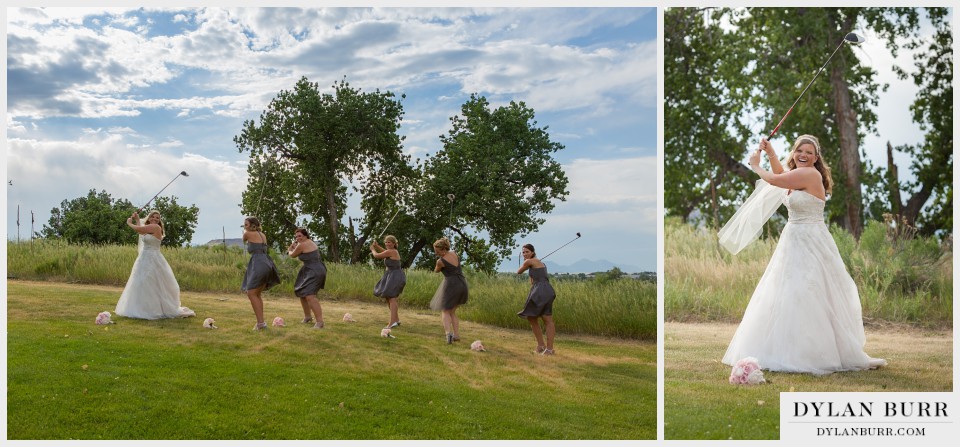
(564, 245)
(388, 224)
(775, 129)
(158, 194)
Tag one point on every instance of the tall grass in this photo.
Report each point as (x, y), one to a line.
(905, 281)
(621, 308)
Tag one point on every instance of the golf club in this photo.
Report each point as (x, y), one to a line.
(850, 38)
(450, 219)
(564, 245)
(388, 224)
(183, 173)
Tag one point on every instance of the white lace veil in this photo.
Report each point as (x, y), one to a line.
(747, 223)
(139, 238)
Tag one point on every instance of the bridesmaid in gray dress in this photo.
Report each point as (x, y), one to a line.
(391, 284)
(539, 301)
(311, 277)
(453, 290)
(261, 272)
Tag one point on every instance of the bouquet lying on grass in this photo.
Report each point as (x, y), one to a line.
(747, 372)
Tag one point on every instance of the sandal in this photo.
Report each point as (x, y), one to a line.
(540, 349)
(260, 326)
(449, 338)
(318, 325)
(548, 352)
(307, 320)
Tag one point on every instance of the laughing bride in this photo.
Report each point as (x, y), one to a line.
(805, 314)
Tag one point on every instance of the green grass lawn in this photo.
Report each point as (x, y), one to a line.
(699, 402)
(68, 378)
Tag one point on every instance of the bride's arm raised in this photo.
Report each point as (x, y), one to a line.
(775, 165)
(798, 179)
(141, 229)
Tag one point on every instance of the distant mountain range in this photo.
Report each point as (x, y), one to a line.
(590, 266)
(231, 242)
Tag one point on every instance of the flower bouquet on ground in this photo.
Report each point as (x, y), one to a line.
(103, 318)
(747, 372)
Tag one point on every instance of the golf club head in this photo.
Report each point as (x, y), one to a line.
(854, 39)
(184, 173)
(578, 234)
(451, 197)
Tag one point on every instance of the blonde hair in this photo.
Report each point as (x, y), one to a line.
(820, 165)
(390, 238)
(163, 232)
(442, 244)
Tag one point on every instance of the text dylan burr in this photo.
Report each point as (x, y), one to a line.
(868, 409)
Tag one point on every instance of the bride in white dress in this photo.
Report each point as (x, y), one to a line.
(152, 291)
(805, 314)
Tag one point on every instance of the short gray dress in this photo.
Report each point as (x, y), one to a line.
(392, 282)
(541, 296)
(453, 290)
(261, 271)
(312, 275)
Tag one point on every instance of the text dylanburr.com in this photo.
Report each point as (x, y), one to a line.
(846, 417)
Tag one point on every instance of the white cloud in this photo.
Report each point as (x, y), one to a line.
(48, 172)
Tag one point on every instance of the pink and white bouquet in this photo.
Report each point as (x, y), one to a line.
(208, 323)
(348, 318)
(747, 372)
(103, 318)
(477, 346)
(278, 322)
(385, 333)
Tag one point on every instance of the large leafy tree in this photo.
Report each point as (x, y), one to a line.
(493, 179)
(932, 160)
(98, 218)
(306, 149)
(730, 74)
(179, 221)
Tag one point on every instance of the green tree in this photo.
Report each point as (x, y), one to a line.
(98, 218)
(495, 177)
(731, 74)
(306, 149)
(179, 222)
(932, 160)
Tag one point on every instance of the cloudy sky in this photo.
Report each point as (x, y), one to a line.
(123, 99)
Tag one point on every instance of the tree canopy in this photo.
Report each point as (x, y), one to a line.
(492, 180)
(499, 167)
(731, 74)
(98, 218)
(305, 148)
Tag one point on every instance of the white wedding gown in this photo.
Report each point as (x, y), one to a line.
(152, 291)
(805, 314)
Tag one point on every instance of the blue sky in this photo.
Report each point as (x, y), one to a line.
(123, 99)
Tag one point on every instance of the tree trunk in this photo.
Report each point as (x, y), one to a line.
(414, 251)
(849, 150)
(728, 164)
(334, 224)
(893, 182)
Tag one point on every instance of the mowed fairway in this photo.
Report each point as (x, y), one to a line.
(68, 378)
(699, 403)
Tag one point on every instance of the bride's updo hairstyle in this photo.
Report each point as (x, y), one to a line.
(820, 164)
(159, 221)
